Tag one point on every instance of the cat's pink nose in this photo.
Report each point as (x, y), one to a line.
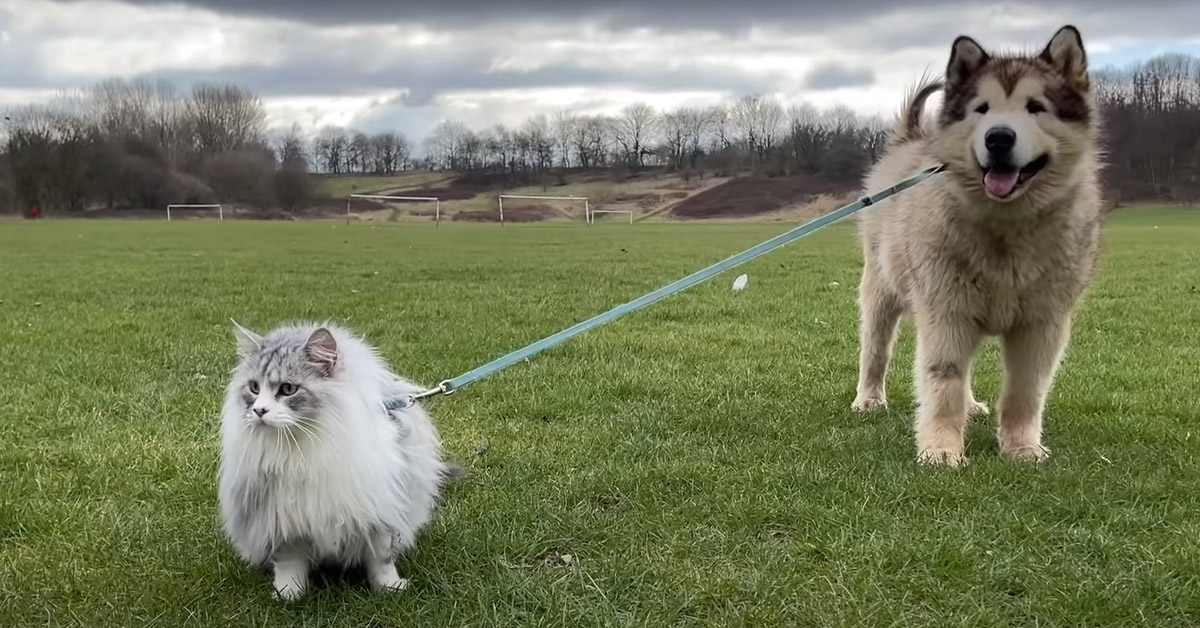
(260, 412)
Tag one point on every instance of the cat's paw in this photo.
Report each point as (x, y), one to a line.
(385, 579)
(390, 586)
(288, 592)
(291, 580)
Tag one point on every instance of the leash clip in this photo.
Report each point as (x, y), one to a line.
(408, 401)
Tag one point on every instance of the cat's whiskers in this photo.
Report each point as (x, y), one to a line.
(287, 429)
(312, 429)
(279, 445)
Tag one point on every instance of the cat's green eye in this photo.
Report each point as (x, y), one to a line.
(253, 387)
(287, 389)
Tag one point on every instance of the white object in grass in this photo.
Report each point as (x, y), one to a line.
(740, 282)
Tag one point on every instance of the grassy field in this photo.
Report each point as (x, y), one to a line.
(697, 461)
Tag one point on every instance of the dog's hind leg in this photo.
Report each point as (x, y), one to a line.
(880, 311)
(1032, 354)
(945, 348)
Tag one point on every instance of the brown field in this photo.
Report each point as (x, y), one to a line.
(650, 195)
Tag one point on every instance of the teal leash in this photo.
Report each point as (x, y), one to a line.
(451, 386)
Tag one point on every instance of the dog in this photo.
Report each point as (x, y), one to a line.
(1003, 243)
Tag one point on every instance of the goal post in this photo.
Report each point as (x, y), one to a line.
(437, 210)
(220, 208)
(587, 212)
(612, 211)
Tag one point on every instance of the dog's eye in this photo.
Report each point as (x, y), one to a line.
(982, 109)
(287, 389)
(1034, 107)
(253, 387)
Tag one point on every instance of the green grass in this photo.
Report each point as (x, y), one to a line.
(698, 460)
(343, 186)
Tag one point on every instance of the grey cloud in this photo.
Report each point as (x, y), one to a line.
(720, 14)
(427, 73)
(835, 76)
(710, 14)
(426, 80)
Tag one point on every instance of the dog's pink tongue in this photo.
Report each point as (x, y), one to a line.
(1000, 184)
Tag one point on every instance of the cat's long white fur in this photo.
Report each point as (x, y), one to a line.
(356, 484)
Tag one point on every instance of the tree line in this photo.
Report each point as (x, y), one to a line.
(751, 133)
(1152, 129)
(140, 143)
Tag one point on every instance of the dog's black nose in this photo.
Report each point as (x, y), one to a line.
(1000, 140)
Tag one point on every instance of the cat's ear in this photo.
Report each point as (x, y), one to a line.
(321, 350)
(248, 342)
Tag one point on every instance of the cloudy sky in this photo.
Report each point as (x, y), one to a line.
(405, 65)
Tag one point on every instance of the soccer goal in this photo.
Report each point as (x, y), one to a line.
(612, 211)
(220, 209)
(587, 212)
(437, 207)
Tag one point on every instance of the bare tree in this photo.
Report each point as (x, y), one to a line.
(807, 137)
(563, 125)
(633, 131)
(224, 118)
(293, 185)
(445, 144)
(758, 123)
(674, 129)
(329, 148)
(497, 148)
(590, 140)
(290, 150)
(358, 153)
(697, 122)
(540, 141)
(874, 137)
(389, 153)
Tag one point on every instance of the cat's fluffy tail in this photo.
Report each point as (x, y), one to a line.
(452, 472)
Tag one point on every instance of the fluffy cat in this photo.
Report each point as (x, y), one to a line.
(314, 468)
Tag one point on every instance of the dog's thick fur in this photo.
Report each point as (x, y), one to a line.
(966, 263)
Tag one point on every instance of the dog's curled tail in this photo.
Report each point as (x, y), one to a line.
(909, 127)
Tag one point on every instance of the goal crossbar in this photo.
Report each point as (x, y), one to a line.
(549, 198)
(437, 212)
(220, 208)
(587, 212)
(612, 211)
(396, 198)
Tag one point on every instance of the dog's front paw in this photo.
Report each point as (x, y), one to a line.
(942, 457)
(866, 404)
(1025, 452)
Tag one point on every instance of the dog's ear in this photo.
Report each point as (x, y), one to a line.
(1065, 52)
(966, 57)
